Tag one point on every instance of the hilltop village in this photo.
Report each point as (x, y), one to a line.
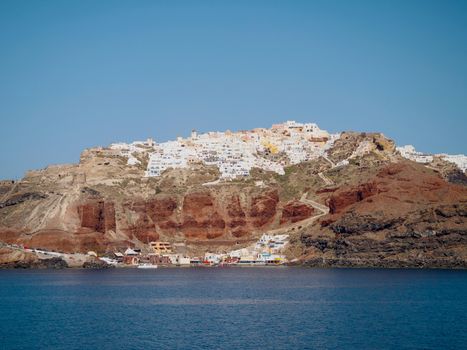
(233, 153)
(410, 153)
(236, 153)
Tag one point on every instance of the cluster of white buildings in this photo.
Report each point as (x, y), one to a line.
(409, 152)
(266, 251)
(160, 253)
(234, 153)
(130, 150)
(459, 159)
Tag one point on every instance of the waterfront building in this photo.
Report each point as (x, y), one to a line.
(118, 257)
(212, 258)
(161, 248)
(196, 261)
(155, 259)
(131, 260)
(131, 252)
(266, 251)
(178, 259)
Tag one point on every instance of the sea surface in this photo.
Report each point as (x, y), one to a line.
(233, 308)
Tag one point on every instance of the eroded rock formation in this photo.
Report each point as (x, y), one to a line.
(405, 215)
(383, 210)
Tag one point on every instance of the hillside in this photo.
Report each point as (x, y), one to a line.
(348, 199)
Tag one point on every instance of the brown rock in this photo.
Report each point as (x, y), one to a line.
(97, 215)
(295, 211)
(263, 208)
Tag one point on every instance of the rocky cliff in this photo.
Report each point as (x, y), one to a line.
(77, 208)
(379, 209)
(404, 215)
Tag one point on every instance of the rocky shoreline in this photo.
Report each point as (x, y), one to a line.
(53, 263)
(387, 263)
(58, 263)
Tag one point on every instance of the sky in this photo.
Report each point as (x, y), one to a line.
(79, 74)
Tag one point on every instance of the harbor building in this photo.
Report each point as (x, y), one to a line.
(161, 248)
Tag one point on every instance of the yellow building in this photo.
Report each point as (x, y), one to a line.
(161, 247)
(270, 146)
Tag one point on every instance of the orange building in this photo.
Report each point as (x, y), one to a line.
(161, 247)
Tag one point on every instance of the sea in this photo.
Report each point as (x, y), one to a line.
(233, 308)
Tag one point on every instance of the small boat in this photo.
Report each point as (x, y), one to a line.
(146, 266)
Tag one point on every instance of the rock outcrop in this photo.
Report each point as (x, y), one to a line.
(15, 259)
(383, 210)
(405, 215)
(97, 264)
(296, 211)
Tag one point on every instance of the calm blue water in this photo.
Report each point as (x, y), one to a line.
(233, 308)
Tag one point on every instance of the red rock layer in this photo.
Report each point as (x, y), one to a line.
(263, 208)
(295, 211)
(97, 215)
(406, 215)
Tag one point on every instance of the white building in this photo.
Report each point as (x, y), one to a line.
(213, 258)
(459, 159)
(410, 153)
(235, 154)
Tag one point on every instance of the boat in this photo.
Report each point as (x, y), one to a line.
(146, 266)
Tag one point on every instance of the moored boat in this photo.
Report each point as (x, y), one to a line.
(146, 266)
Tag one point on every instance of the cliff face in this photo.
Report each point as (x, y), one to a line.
(403, 215)
(382, 210)
(71, 209)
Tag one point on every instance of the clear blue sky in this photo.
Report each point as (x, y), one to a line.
(76, 74)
